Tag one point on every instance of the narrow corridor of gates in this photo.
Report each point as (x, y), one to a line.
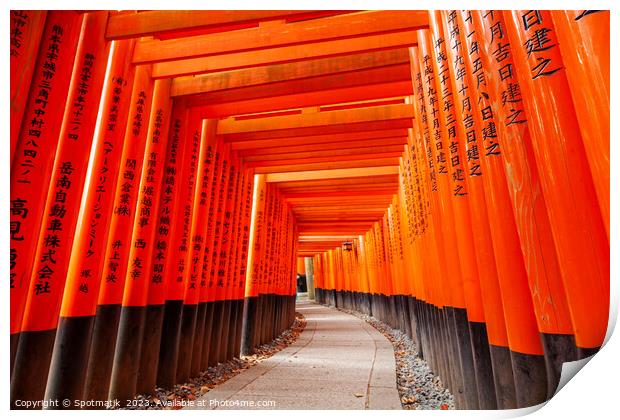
(446, 172)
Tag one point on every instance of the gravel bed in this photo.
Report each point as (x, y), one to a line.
(419, 388)
(174, 399)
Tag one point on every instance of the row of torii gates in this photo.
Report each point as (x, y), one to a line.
(445, 171)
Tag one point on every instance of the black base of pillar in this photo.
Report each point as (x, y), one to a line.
(186, 342)
(559, 348)
(503, 377)
(14, 342)
(216, 333)
(482, 363)
(238, 326)
(32, 363)
(198, 342)
(151, 344)
(249, 324)
(530, 379)
(169, 347)
(225, 334)
(99, 370)
(69, 359)
(208, 332)
(127, 353)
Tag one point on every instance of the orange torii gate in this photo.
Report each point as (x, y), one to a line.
(411, 154)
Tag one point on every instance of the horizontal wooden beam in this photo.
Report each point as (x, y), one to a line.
(147, 23)
(280, 34)
(303, 159)
(284, 54)
(337, 195)
(301, 100)
(383, 189)
(367, 163)
(334, 219)
(192, 85)
(353, 181)
(331, 174)
(334, 147)
(398, 149)
(318, 200)
(385, 74)
(313, 140)
(284, 124)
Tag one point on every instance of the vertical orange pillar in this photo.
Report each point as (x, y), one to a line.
(215, 282)
(26, 32)
(31, 166)
(494, 382)
(184, 291)
(455, 300)
(242, 257)
(206, 295)
(168, 253)
(473, 175)
(566, 178)
(53, 248)
(251, 310)
(431, 310)
(186, 126)
(125, 368)
(226, 255)
(583, 38)
(527, 355)
(116, 253)
(487, 31)
(77, 314)
(186, 244)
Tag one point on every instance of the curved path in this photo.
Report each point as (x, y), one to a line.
(338, 362)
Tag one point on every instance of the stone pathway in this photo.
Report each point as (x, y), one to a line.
(338, 362)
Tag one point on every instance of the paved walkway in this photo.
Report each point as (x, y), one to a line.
(338, 362)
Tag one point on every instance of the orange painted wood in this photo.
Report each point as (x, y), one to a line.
(227, 80)
(168, 258)
(317, 119)
(256, 239)
(26, 32)
(285, 161)
(308, 99)
(133, 25)
(283, 54)
(223, 232)
(334, 147)
(522, 329)
(87, 257)
(214, 193)
(68, 177)
(566, 178)
(380, 135)
(342, 153)
(331, 174)
(208, 168)
(364, 77)
(456, 156)
(127, 189)
(530, 212)
(280, 34)
(435, 138)
(31, 167)
(583, 37)
(143, 235)
(246, 229)
(366, 163)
